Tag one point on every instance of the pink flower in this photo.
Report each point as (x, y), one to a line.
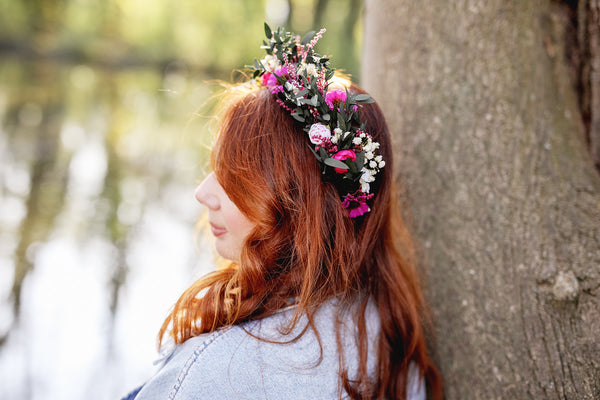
(357, 205)
(333, 98)
(268, 79)
(282, 71)
(343, 155)
(319, 133)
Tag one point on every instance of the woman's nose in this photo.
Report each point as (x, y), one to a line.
(206, 192)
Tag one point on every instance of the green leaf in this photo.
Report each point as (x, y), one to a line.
(332, 162)
(256, 65)
(326, 117)
(360, 160)
(362, 97)
(353, 168)
(298, 117)
(302, 92)
(308, 37)
(314, 101)
(268, 31)
(305, 101)
(323, 153)
(315, 153)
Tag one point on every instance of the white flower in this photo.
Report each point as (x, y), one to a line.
(378, 158)
(337, 131)
(357, 141)
(368, 155)
(318, 133)
(289, 86)
(311, 70)
(365, 179)
(381, 164)
(270, 62)
(372, 164)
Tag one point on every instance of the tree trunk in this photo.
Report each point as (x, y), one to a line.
(504, 196)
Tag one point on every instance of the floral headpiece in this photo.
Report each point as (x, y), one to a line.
(302, 81)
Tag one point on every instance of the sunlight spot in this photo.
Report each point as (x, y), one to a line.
(82, 77)
(12, 211)
(72, 136)
(277, 11)
(87, 169)
(16, 179)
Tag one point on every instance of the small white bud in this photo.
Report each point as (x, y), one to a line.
(381, 164)
(357, 141)
(372, 164)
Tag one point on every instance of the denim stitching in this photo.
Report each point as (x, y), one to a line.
(188, 365)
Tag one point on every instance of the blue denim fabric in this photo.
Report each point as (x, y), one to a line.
(232, 364)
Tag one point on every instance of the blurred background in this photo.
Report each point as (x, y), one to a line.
(104, 114)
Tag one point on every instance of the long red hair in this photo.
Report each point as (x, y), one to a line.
(304, 247)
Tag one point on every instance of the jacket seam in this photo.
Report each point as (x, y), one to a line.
(192, 360)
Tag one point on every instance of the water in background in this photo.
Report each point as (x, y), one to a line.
(100, 152)
(97, 216)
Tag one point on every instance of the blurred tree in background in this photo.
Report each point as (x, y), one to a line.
(103, 120)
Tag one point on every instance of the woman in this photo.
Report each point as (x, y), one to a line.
(321, 299)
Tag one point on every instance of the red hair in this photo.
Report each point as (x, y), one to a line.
(305, 247)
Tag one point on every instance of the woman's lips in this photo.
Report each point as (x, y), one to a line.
(217, 230)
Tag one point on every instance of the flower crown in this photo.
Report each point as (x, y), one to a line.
(303, 83)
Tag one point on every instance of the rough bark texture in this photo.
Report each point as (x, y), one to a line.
(588, 39)
(504, 196)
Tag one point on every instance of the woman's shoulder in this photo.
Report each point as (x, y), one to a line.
(254, 360)
(259, 360)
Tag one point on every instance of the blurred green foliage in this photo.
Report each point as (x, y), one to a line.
(99, 105)
(212, 36)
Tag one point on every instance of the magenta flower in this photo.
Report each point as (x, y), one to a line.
(268, 79)
(357, 205)
(334, 98)
(282, 71)
(343, 155)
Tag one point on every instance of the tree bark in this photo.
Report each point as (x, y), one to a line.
(503, 193)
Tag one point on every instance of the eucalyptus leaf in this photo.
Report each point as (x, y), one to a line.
(332, 162)
(315, 153)
(323, 153)
(352, 168)
(298, 117)
(308, 37)
(302, 92)
(268, 31)
(362, 97)
(360, 160)
(326, 117)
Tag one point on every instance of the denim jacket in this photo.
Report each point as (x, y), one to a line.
(232, 363)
